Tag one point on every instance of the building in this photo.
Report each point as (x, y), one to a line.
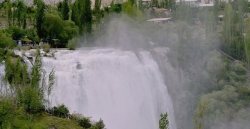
(192, 3)
(159, 20)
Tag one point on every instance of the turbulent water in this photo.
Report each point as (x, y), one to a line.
(125, 89)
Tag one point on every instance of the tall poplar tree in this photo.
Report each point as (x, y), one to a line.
(65, 10)
(9, 12)
(21, 13)
(97, 11)
(82, 15)
(86, 18)
(75, 16)
(39, 17)
(228, 29)
(233, 31)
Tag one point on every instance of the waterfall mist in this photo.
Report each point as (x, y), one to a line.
(124, 89)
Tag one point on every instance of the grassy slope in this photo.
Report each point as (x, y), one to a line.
(60, 123)
(45, 121)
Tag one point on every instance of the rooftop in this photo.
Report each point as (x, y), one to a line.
(158, 19)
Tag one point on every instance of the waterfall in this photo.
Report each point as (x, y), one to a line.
(124, 89)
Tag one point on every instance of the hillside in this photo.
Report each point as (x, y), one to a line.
(45, 121)
(104, 2)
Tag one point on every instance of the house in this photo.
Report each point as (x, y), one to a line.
(192, 3)
(159, 20)
(146, 3)
(26, 41)
(206, 3)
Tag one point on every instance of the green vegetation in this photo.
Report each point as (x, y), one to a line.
(214, 56)
(46, 47)
(22, 99)
(163, 122)
(72, 44)
(46, 121)
(6, 41)
(211, 54)
(82, 15)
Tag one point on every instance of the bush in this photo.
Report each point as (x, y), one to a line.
(85, 122)
(2, 52)
(6, 109)
(99, 124)
(72, 44)
(61, 111)
(76, 117)
(6, 41)
(31, 100)
(46, 47)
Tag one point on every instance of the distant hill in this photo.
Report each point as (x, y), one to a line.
(30, 2)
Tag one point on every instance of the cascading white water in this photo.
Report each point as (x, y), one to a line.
(124, 89)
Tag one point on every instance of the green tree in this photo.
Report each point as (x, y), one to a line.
(70, 30)
(21, 13)
(52, 26)
(9, 12)
(117, 8)
(6, 110)
(50, 86)
(82, 16)
(40, 17)
(75, 16)
(132, 11)
(86, 17)
(155, 3)
(228, 29)
(200, 114)
(33, 95)
(247, 42)
(55, 28)
(6, 41)
(184, 12)
(97, 11)
(163, 122)
(233, 32)
(100, 124)
(65, 10)
(16, 32)
(168, 4)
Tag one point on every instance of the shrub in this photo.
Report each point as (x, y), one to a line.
(1, 54)
(6, 41)
(99, 124)
(76, 117)
(85, 122)
(61, 111)
(46, 47)
(72, 44)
